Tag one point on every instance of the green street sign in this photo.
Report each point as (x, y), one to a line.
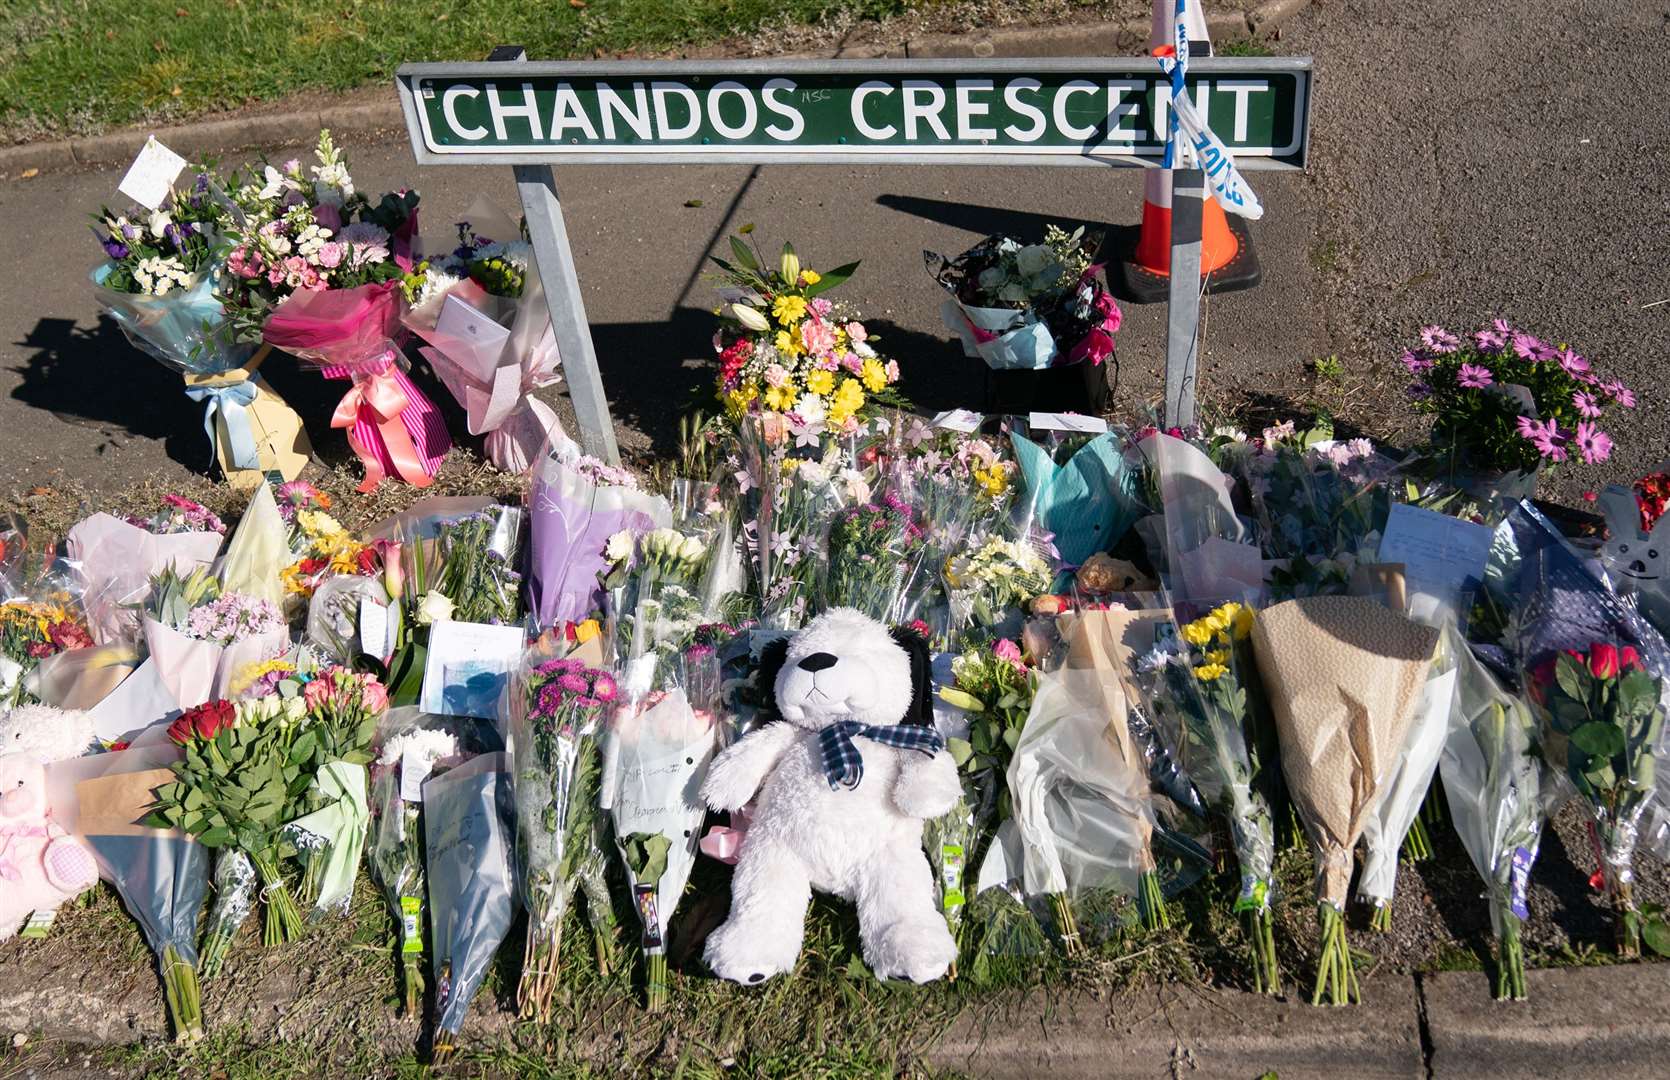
(991, 112)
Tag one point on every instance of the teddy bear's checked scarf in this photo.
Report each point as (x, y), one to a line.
(843, 764)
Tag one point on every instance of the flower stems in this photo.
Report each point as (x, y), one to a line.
(655, 980)
(185, 1005)
(213, 953)
(1510, 961)
(1629, 919)
(1336, 977)
(1417, 845)
(1259, 926)
(411, 984)
(1381, 921)
(1152, 902)
(283, 922)
(538, 985)
(1066, 925)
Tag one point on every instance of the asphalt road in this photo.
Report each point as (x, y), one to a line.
(1468, 161)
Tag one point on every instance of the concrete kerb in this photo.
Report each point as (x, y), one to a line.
(285, 129)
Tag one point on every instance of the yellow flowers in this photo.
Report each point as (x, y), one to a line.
(1210, 672)
(993, 481)
(788, 342)
(789, 309)
(874, 376)
(810, 277)
(848, 400)
(1218, 656)
(737, 401)
(781, 398)
(1198, 633)
(820, 382)
(585, 631)
(1243, 622)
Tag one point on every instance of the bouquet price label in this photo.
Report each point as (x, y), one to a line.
(951, 876)
(411, 924)
(1519, 878)
(151, 176)
(649, 909)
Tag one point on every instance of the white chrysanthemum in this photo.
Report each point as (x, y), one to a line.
(425, 744)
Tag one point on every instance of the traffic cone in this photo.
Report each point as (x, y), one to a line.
(1227, 259)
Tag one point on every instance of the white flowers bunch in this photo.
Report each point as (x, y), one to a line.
(427, 745)
(272, 709)
(158, 276)
(434, 608)
(310, 240)
(671, 554)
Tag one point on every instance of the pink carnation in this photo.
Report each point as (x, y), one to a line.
(818, 337)
(330, 254)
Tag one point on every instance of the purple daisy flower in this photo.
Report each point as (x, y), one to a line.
(603, 687)
(1528, 427)
(1474, 377)
(1573, 364)
(1619, 393)
(1501, 327)
(1490, 341)
(1586, 404)
(1549, 441)
(1594, 444)
(1439, 340)
(1532, 348)
(1415, 362)
(1419, 391)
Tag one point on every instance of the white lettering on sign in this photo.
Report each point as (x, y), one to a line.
(1119, 109)
(637, 117)
(1243, 89)
(500, 112)
(449, 107)
(1066, 127)
(868, 130)
(661, 91)
(797, 122)
(750, 111)
(968, 109)
(915, 110)
(567, 112)
(1012, 98)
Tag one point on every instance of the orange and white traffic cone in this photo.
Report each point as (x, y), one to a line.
(1227, 259)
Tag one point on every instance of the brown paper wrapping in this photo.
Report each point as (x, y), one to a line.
(115, 805)
(1343, 674)
(1100, 645)
(280, 439)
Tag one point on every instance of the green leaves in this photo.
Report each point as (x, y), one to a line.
(744, 256)
(646, 854)
(1598, 739)
(832, 278)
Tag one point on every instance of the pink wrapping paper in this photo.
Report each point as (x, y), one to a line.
(116, 562)
(354, 334)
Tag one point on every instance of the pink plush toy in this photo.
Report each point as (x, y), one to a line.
(40, 865)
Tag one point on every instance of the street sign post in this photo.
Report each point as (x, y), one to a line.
(1078, 112)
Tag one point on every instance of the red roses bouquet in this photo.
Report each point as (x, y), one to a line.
(1602, 713)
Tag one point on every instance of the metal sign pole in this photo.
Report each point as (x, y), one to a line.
(548, 233)
(1183, 301)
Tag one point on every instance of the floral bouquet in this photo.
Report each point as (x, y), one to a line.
(659, 747)
(32, 631)
(1081, 491)
(1344, 676)
(234, 789)
(1595, 672)
(875, 551)
(575, 504)
(1321, 507)
(471, 869)
(990, 694)
(1506, 401)
(787, 350)
(555, 721)
(160, 286)
(411, 748)
(1395, 824)
(790, 503)
(655, 606)
(476, 555)
(1205, 549)
(1202, 696)
(322, 548)
(1497, 794)
(160, 871)
(116, 559)
(1079, 783)
(494, 381)
(992, 577)
(343, 711)
(200, 637)
(1029, 306)
(317, 269)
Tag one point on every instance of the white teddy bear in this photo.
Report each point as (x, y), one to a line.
(845, 780)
